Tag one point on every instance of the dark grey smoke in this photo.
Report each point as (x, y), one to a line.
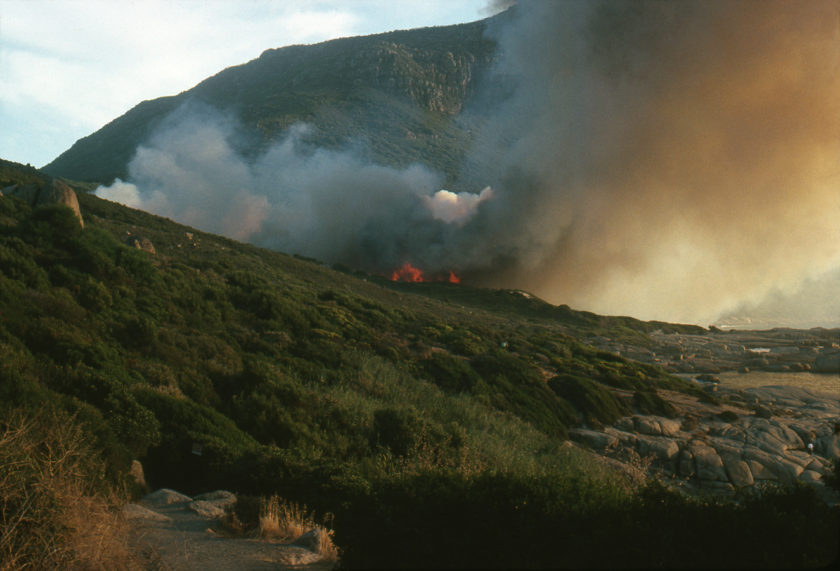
(669, 160)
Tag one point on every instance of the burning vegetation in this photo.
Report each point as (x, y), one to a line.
(408, 273)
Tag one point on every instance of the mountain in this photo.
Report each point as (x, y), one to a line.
(407, 94)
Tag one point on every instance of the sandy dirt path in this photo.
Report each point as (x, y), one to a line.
(172, 536)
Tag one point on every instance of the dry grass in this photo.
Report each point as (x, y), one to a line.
(287, 521)
(55, 510)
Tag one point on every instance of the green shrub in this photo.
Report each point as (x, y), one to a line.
(595, 403)
(648, 402)
(396, 430)
(450, 373)
(516, 386)
(184, 426)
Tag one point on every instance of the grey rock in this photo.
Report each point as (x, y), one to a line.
(760, 471)
(141, 244)
(54, 192)
(625, 424)
(647, 425)
(222, 496)
(810, 477)
(763, 412)
(662, 448)
(208, 509)
(165, 497)
(624, 438)
(136, 474)
(799, 457)
(787, 471)
(685, 465)
(669, 427)
(738, 471)
(771, 435)
(730, 432)
(828, 445)
(827, 363)
(708, 464)
(134, 511)
(817, 466)
(311, 540)
(213, 504)
(593, 439)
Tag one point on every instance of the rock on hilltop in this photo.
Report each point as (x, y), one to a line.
(54, 192)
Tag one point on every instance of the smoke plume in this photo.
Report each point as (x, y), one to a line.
(670, 160)
(331, 205)
(667, 160)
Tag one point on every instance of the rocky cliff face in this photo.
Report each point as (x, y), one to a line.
(433, 80)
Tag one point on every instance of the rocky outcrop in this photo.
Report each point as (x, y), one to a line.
(213, 505)
(311, 540)
(54, 192)
(827, 363)
(140, 243)
(704, 451)
(165, 497)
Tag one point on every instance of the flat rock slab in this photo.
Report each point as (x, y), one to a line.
(134, 511)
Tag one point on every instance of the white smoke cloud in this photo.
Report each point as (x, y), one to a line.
(122, 192)
(331, 205)
(456, 208)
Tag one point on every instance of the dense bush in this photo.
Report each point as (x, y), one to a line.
(595, 404)
(450, 373)
(416, 422)
(648, 402)
(516, 385)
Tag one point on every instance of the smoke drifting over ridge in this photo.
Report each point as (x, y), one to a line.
(666, 160)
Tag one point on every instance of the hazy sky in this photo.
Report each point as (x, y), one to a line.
(68, 67)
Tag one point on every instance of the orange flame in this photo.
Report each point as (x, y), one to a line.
(408, 273)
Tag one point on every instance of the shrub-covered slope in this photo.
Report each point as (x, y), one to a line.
(410, 418)
(247, 348)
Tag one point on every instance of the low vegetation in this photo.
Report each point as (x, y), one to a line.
(56, 506)
(433, 431)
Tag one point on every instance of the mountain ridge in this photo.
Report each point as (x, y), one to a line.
(401, 91)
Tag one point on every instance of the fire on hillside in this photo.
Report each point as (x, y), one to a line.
(408, 273)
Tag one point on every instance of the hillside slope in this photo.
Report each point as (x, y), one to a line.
(415, 420)
(400, 92)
